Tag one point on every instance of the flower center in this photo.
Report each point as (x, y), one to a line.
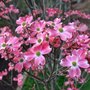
(21, 60)
(24, 24)
(74, 64)
(4, 45)
(38, 29)
(61, 30)
(53, 24)
(47, 38)
(38, 53)
(39, 40)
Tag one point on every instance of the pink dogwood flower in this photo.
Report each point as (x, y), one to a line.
(38, 39)
(14, 43)
(74, 63)
(63, 32)
(82, 27)
(13, 9)
(21, 62)
(23, 22)
(37, 27)
(55, 41)
(82, 40)
(2, 43)
(6, 31)
(53, 11)
(37, 52)
(80, 53)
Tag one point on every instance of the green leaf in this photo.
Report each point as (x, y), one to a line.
(86, 86)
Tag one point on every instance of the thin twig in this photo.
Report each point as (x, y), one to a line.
(42, 81)
(8, 84)
(29, 7)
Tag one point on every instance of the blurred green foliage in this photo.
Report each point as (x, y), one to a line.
(31, 84)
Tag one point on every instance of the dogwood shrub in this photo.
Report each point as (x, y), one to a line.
(45, 41)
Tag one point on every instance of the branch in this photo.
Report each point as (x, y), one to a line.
(42, 81)
(29, 7)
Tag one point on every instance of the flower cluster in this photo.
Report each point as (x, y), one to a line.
(37, 39)
(78, 13)
(42, 42)
(4, 10)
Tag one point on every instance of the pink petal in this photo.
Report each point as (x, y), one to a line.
(65, 35)
(36, 48)
(32, 40)
(29, 55)
(45, 48)
(78, 72)
(65, 63)
(81, 53)
(83, 63)
(27, 65)
(39, 60)
(19, 67)
(72, 58)
(1, 77)
(19, 29)
(20, 83)
(74, 72)
(20, 76)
